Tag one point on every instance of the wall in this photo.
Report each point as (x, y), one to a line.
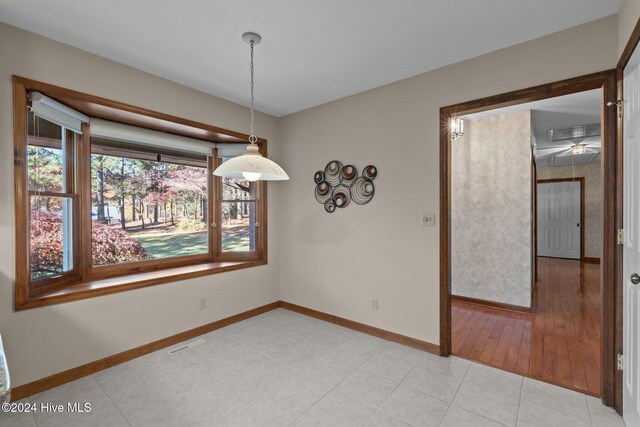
(491, 210)
(592, 203)
(338, 262)
(627, 19)
(43, 341)
(334, 263)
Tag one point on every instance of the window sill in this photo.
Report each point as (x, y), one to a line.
(113, 285)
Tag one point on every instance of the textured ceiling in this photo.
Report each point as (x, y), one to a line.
(313, 51)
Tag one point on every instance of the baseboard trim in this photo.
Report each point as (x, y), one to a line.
(361, 327)
(29, 389)
(591, 260)
(491, 304)
(38, 386)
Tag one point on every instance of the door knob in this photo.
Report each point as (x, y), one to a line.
(635, 279)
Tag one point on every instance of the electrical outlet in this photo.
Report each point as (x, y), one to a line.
(203, 303)
(374, 304)
(428, 219)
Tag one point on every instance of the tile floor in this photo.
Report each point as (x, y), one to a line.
(285, 369)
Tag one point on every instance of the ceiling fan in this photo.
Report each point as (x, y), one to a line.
(583, 141)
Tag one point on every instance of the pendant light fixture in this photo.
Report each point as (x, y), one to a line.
(251, 165)
(578, 149)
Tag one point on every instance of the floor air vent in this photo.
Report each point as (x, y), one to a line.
(185, 347)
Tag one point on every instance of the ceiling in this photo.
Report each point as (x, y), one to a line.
(312, 52)
(578, 109)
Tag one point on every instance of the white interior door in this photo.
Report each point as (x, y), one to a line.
(631, 251)
(559, 219)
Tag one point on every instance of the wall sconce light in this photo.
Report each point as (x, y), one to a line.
(457, 128)
(578, 149)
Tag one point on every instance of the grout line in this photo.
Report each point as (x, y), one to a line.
(274, 361)
(33, 415)
(481, 416)
(373, 414)
(445, 414)
(519, 402)
(471, 363)
(262, 393)
(126, 420)
(62, 397)
(460, 385)
(399, 384)
(67, 392)
(588, 410)
(556, 409)
(335, 388)
(243, 406)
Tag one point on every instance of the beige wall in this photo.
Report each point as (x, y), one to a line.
(43, 341)
(592, 203)
(335, 263)
(338, 262)
(627, 18)
(491, 210)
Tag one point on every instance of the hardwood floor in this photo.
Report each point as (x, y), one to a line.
(559, 342)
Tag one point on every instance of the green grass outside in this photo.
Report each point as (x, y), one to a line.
(168, 245)
(235, 243)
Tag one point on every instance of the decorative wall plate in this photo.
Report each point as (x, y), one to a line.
(362, 191)
(337, 185)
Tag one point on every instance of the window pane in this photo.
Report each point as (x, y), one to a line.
(45, 155)
(51, 242)
(238, 226)
(145, 210)
(237, 189)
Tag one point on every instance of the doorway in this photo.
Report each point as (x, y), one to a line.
(560, 218)
(604, 273)
(510, 164)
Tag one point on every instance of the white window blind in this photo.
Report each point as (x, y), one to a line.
(226, 150)
(56, 112)
(136, 135)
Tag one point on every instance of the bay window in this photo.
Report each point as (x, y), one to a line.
(112, 197)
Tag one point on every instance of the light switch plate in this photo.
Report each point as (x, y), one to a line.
(428, 219)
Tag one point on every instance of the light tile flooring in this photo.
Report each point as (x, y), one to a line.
(285, 369)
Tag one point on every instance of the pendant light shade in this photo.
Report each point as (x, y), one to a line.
(251, 165)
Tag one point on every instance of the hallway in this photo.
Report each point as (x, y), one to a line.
(559, 342)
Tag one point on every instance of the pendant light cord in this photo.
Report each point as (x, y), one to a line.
(252, 138)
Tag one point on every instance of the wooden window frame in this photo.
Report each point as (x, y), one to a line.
(260, 201)
(87, 280)
(70, 143)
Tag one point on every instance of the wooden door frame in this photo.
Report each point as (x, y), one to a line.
(628, 51)
(606, 81)
(581, 181)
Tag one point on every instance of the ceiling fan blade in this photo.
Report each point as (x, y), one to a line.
(549, 146)
(592, 140)
(551, 151)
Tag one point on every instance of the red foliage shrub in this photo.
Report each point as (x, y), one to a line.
(114, 246)
(46, 243)
(110, 245)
